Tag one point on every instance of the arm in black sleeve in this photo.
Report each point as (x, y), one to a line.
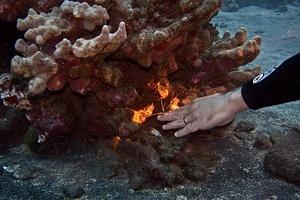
(278, 85)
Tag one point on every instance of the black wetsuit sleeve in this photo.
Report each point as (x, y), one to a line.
(278, 85)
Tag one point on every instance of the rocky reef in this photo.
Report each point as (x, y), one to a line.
(282, 160)
(103, 69)
(280, 6)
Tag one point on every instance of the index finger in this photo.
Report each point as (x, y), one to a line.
(190, 128)
(174, 115)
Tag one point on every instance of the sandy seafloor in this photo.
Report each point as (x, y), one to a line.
(240, 175)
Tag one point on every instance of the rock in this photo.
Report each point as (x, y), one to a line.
(21, 172)
(73, 191)
(275, 137)
(223, 25)
(100, 120)
(244, 126)
(11, 168)
(296, 3)
(283, 159)
(246, 170)
(242, 135)
(170, 148)
(131, 191)
(282, 8)
(269, 4)
(181, 197)
(180, 187)
(274, 197)
(259, 32)
(24, 173)
(13, 126)
(230, 6)
(112, 164)
(196, 171)
(262, 142)
(52, 120)
(145, 167)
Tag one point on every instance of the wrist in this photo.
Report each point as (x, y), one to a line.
(235, 101)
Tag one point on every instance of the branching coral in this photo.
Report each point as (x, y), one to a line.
(105, 43)
(42, 27)
(231, 52)
(91, 16)
(39, 67)
(43, 66)
(154, 44)
(79, 76)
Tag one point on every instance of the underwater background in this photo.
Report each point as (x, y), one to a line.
(72, 141)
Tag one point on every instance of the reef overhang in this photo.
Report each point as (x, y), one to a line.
(107, 68)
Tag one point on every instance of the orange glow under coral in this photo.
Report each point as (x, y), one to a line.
(140, 116)
(163, 88)
(174, 104)
(116, 142)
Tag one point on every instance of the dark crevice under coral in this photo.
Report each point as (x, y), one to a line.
(7, 42)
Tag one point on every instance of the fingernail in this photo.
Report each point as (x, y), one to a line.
(163, 127)
(159, 116)
(176, 134)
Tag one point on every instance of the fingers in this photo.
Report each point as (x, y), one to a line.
(174, 115)
(200, 124)
(174, 125)
(190, 128)
(180, 123)
(190, 118)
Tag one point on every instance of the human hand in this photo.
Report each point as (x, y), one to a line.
(204, 113)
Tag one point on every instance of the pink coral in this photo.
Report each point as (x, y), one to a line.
(45, 31)
(231, 52)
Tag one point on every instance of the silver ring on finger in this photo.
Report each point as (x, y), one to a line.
(185, 121)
